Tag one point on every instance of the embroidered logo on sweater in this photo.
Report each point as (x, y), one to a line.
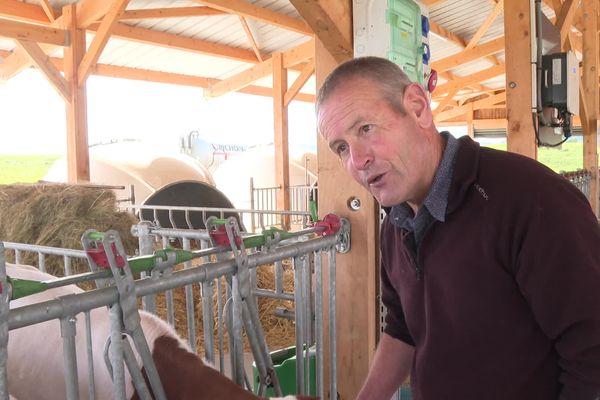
(481, 191)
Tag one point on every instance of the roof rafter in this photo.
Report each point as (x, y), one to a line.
(23, 11)
(454, 38)
(175, 12)
(468, 80)
(100, 40)
(88, 11)
(291, 57)
(145, 75)
(564, 21)
(48, 10)
(261, 14)
(170, 40)
(300, 81)
(319, 14)
(483, 103)
(34, 32)
(486, 25)
(251, 38)
(465, 56)
(40, 60)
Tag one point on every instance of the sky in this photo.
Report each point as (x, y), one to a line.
(33, 115)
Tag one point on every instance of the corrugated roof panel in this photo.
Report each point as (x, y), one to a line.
(442, 48)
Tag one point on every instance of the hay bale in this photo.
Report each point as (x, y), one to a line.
(279, 332)
(57, 215)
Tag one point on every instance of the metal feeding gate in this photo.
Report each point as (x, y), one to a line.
(235, 264)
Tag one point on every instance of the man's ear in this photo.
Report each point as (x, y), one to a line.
(416, 102)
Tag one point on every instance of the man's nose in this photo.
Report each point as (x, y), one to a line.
(361, 156)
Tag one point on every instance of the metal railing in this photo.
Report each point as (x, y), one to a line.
(180, 217)
(307, 255)
(581, 178)
(300, 196)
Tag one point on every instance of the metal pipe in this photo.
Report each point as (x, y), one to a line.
(67, 332)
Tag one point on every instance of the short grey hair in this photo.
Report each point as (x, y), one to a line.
(387, 75)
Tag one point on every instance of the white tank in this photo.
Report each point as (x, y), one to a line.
(232, 177)
(158, 177)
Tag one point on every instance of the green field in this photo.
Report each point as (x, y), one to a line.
(565, 159)
(31, 168)
(24, 168)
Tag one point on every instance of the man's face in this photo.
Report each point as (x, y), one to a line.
(381, 149)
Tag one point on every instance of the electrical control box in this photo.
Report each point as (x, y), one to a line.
(560, 82)
(397, 30)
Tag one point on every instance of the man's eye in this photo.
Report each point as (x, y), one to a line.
(366, 128)
(341, 149)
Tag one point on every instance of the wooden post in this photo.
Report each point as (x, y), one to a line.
(470, 127)
(518, 34)
(280, 114)
(357, 274)
(589, 120)
(78, 158)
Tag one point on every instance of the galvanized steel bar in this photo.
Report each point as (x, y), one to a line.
(67, 332)
(90, 356)
(332, 324)
(136, 374)
(320, 389)
(116, 352)
(189, 302)
(299, 307)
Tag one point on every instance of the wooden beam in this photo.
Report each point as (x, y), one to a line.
(357, 271)
(475, 105)
(41, 61)
(280, 114)
(486, 25)
(464, 81)
(320, 19)
(145, 75)
(251, 38)
(20, 11)
(265, 15)
(564, 21)
(291, 57)
(447, 35)
(100, 40)
(518, 32)
(33, 32)
(175, 12)
(78, 157)
(48, 10)
(589, 80)
(168, 40)
(88, 11)
(444, 102)
(465, 56)
(91, 11)
(292, 92)
(240, 80)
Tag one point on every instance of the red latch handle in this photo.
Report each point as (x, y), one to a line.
(331, 223)
(219, 236)
(98, 255)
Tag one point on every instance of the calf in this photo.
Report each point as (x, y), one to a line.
(35, 360)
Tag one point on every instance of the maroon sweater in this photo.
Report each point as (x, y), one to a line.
(507, 304)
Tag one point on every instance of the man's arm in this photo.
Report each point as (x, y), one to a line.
(391, 366)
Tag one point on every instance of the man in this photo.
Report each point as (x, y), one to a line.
(490, 261)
